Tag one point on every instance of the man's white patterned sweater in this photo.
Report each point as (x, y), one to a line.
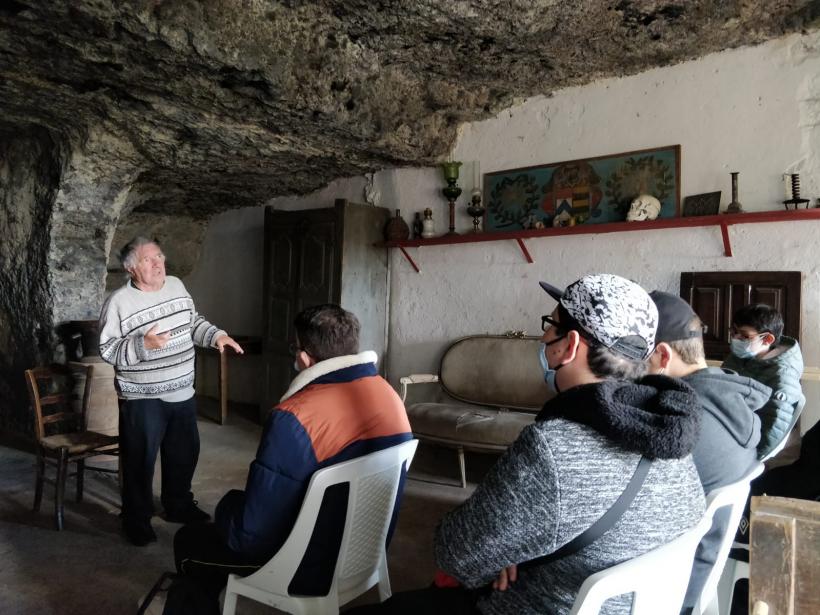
(166, 373)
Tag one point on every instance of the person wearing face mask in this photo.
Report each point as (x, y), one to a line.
(730, 430)
(337, 408)
(759, 350)
(516, 535)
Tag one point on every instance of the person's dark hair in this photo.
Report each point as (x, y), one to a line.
(691, 350)
(602, 361)
(129, 250)
(760, 317)
(605, 363)
(327, 331)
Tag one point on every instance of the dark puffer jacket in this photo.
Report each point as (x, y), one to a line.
(782, 374)
(560, 476)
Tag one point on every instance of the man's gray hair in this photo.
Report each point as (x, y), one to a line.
(128, 254)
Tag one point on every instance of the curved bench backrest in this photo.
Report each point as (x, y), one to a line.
(495, 370)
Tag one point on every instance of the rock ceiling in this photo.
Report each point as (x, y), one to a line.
(225, 103)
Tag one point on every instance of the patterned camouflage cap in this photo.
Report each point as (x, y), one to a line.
(613, 311)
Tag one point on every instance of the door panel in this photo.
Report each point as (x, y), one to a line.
(300, 271)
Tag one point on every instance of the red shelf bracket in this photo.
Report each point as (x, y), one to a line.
(727, 244)
(524, 250)
(410, 260)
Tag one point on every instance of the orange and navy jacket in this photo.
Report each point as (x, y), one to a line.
(335, 410)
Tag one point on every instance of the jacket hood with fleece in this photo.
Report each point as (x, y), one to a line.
(657, 416)
(724, 394)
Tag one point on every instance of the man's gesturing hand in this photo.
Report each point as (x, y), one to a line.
(153, 340)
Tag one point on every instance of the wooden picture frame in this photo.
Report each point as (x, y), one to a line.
(706, 204)
(584, 191)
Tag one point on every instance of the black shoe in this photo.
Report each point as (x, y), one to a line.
(139, 533)
(190, 514)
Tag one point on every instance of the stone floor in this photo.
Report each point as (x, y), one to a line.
(90, 568)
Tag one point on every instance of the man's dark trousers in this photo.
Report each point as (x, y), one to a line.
(148, 427)
(203, 562)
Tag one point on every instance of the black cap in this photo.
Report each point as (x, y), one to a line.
(674, 318)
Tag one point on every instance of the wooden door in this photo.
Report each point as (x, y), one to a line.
(301, 269)
(715, 296)
(784, 556)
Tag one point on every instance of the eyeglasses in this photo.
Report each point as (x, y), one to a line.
(294, 349)
(549, 321)
(737, 334)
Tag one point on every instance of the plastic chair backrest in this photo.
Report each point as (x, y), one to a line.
(63, 388)
(798, 409)
(374, 481)
(735, 496)
(657, 579)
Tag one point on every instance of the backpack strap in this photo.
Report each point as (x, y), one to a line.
(603, 524)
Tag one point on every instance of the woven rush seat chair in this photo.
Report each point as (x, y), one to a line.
(59, 399)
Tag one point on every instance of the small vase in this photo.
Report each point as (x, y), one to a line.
(396, 228)
(418, 226)
(428, 226)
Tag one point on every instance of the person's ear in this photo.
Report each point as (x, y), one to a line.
(305, 360)
(573, 343)
(767, 339)
(664, 353)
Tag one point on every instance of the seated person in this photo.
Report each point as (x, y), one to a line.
(336, 409)
(729, 428)
(569, 467)
(761, 351)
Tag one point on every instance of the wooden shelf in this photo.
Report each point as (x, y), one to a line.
(724, 221)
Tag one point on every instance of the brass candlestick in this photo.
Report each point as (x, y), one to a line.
(451, 191)
(734, 207)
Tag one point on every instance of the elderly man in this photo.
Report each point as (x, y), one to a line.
(607, 434)
(148, 329)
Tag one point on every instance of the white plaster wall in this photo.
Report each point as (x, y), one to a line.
(752, 110)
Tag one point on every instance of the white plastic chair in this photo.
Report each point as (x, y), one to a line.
(735, 496)
(657, 579)
(362, 562)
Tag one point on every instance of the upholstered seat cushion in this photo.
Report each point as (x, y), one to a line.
(469, 426)
(78, 442)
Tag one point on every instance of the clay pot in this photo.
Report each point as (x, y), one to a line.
(396, 229)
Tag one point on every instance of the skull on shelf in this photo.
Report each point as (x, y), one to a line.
(645, 207)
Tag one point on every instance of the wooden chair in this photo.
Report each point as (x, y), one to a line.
(59, 398)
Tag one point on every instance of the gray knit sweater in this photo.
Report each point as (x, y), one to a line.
(556, 480)
(166, 373)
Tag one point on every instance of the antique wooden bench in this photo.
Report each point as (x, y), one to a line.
(491, 387)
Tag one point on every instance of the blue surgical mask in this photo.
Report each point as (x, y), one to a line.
(745, 349)
(549, 373)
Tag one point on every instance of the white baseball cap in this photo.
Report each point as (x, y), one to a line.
(613, 311)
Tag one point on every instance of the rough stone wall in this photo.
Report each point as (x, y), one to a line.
(30, 165)
(91, 199)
